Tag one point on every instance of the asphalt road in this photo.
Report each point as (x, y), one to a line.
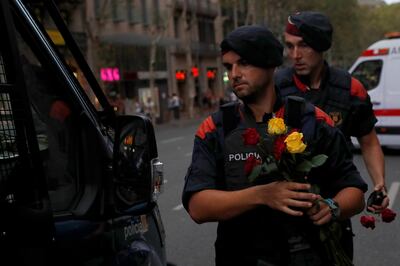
(190, 244)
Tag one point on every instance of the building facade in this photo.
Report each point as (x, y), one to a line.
(142, 49)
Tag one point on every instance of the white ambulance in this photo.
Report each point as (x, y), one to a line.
(378, 68)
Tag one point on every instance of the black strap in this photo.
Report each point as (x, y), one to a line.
(294, 111)
(225, 120)
(229, 117)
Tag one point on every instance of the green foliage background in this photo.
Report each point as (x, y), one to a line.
(355, 26)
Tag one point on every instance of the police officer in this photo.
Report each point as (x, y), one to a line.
(308, 36)
(257, 222)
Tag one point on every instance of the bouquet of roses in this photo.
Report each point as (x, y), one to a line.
(284, 153)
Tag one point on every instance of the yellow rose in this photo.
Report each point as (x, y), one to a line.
(276, 126)
(294, 143)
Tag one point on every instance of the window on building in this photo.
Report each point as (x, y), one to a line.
(156, 13)
(133, 12)
(97, 8)
(119, 10)
(369, 73)
(177, 28)
(145, 17)
(206, 30)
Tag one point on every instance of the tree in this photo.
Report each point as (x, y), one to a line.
(187, 39)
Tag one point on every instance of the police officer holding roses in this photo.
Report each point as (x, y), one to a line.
(269, 220)
(308, 35)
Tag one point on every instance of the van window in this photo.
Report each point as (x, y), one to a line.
(369, 73)
(64, 51)
(56, 128)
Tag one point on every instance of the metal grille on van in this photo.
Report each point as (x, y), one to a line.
(8, 149)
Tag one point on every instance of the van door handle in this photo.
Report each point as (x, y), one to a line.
(376, 103)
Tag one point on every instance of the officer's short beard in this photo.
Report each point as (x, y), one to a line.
(254, 97)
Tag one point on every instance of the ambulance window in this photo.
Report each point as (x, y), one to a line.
(369, 73)
(56, 128)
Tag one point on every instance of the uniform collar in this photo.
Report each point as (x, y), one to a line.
(302, 82)
(246, 112)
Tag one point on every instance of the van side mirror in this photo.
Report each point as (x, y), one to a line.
(138, 174)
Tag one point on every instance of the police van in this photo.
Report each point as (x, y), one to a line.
(78, 184)
(378, 68)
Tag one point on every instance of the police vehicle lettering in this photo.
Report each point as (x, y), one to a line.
(137, 226)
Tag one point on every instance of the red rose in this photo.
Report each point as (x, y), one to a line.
(279, 147)
(251, 136)
(368, 221)
(388, 215)
(250, 163)
(59, 110)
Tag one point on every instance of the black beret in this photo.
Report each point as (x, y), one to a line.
(314, 27)
(256, 44)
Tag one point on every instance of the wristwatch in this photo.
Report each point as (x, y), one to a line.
(334, 206)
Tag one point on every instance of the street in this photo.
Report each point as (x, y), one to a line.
(190, 244)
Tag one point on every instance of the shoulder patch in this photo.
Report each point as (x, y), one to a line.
(357, 89)
(322, 116)
(205, 127)
(281, 112)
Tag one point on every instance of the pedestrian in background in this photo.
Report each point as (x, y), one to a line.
(175, 106)
(138, 106)
(150, 109)
(129, 106)
(273, 222)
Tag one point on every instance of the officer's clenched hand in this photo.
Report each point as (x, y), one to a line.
(320, 213)
(287, 197)
(378, 200)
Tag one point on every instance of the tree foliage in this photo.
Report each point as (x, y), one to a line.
(355, 26)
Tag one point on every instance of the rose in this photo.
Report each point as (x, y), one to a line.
(368, 221)
(59, 111)
(279, 147)
(294, 143)
(250, 163)
(251, 136)
(276, 126)
(388, 215)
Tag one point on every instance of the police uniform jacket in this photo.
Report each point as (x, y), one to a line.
(341, 96)
(218, 163)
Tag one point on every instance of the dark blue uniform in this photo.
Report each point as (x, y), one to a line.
(344, 99)
(341, 96)
(264, 235)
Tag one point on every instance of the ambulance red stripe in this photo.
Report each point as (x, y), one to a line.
(387, 112)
